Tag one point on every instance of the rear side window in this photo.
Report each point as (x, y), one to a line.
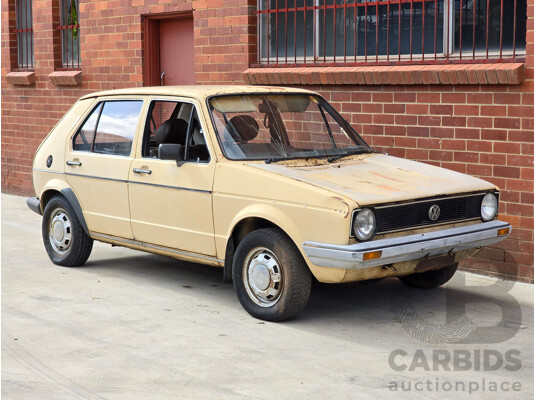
(110, 128)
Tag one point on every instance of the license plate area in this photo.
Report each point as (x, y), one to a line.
(427, 264)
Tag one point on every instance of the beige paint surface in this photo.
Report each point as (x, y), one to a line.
(376, 178)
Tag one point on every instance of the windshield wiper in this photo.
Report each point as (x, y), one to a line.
(334, 158)
(275, 159)
(308, 156)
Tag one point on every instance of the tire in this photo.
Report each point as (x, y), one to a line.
(271, 279)
(65, 240)
(430, 279)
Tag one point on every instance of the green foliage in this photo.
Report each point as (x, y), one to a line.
(73, 14)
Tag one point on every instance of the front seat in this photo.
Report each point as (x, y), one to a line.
(172, 131)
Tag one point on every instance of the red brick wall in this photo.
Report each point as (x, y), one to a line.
(483, 130)
(112, 58)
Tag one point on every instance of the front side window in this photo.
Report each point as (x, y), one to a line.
(176, 123)
(274, 127)
(363, 31)
(110, 128)
(70, 33)
(24, 31)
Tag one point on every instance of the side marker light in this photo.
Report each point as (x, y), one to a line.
(503, 231)
(372, 255)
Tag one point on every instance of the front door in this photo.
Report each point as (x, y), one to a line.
(171, 205)
(169, 58)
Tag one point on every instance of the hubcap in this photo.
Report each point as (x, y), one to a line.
(60, 232)
(263, 277)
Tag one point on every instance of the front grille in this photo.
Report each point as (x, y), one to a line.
(416, 214)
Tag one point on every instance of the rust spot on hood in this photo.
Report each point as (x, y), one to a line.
(391, 189)
(386, 177)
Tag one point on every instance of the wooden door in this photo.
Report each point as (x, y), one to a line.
(169, 58)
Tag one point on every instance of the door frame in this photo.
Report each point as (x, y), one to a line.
(151, 44)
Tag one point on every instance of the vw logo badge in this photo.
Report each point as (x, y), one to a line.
(434, 212)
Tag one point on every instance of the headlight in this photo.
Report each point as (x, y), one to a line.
(364, 224)
(489, 207)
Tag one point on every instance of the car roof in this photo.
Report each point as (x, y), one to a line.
(197, 91)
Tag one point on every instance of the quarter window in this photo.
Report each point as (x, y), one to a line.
(83, 140)
(110, 128)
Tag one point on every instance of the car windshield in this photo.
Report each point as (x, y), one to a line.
(276, 127)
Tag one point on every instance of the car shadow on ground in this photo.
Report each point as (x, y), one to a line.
(376, 304)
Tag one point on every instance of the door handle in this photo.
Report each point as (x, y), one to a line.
(77, 163)
(161, 77)
(142, 171)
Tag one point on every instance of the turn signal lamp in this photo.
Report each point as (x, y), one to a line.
(372, 255)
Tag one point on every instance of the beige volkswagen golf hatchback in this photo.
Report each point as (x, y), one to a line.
(270, 184)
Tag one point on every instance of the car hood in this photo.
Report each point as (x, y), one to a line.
(375, 178)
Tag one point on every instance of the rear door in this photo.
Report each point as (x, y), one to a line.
(98, 159)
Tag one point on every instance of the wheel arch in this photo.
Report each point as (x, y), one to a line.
(70, 196)
(247, 224)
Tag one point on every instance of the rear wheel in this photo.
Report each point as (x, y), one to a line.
(430, 279)
(271, 279)
(64, 237)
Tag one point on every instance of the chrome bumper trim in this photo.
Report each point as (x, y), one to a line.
(405, 248)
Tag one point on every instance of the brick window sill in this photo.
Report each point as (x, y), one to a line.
(451, 74)
(21, 78)
(66, 78)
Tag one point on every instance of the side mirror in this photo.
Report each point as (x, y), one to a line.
(171, 151)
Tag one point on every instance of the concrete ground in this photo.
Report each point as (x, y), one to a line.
(130, 325)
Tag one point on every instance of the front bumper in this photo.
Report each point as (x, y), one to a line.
(406, 248)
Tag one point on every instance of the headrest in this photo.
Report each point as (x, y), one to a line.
(242, 128)
(172, 131)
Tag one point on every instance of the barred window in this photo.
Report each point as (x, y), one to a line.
(294, 32)
(24, 31)
(70, 33)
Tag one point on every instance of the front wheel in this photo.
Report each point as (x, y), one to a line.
(64, 237)
(430, 279)
(271, 279)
